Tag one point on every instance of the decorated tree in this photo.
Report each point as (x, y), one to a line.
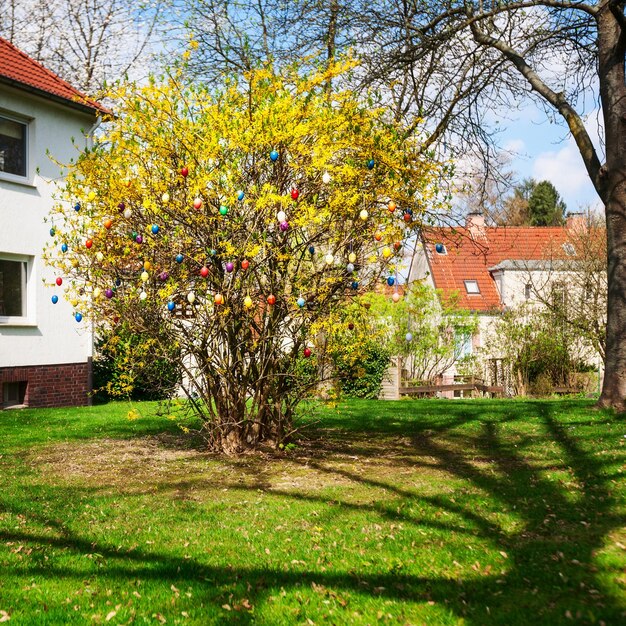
(221, 225)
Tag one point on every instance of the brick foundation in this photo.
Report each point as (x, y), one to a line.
(67, 384)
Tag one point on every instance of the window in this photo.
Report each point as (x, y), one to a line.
(13, 292)
(13, 394)
(12, 147)
(471, 286)
(528, 289)
(569, 249)
(462, 344)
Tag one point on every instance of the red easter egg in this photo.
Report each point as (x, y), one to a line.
(59, 281)
(184, 171)
(294, 194)
(88, 243)
(351, 326)
(245, 264)
(271, 299)
(397, 245)
(204, 272)
(197, 203)
(307, 352)
(407, 217)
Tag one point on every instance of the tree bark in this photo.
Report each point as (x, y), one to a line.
(612, 51)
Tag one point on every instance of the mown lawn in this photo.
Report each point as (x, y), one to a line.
(413, 512)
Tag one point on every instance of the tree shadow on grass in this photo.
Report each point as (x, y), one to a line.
(551, 574)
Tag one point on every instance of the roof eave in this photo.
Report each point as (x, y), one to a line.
(73, 104)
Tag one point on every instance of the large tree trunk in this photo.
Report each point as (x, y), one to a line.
(612, 50)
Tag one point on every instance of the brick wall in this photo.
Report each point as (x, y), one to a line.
(68, 384)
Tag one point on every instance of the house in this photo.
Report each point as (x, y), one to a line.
(488, 270)
(45, 355)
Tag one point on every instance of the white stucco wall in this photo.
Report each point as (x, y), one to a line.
(49, 334)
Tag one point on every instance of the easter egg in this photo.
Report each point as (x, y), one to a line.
(163, 276)
(274, 155)
(77, 206)
(409, 336)
(363, 214)
(191, 297)
(295, 194)
(219, 298)
(139, 239)
(307, 352)
(59, 281)
(179, 258)
(171, 306)
(204, 272)
(354, 284)
(387, 252)
(240, 195)
(121, 206)
(396, 297)
(165, 198)
(350, 268)
(300, 301)
(329, 258)
(55, 299)
(326, 178)
(271, 299)
(184, 172)
(311, 250)
(78, 317)
(281, 216)
(370, 164)
(147, 266)
(63, 247)
(212, 252)
(88, 243)
(144, 277)
(197, 204)
(155, 229)
(230, 266)
(390, 281)
(91, 195)
(407, 217)
(247, 302)
(143, 295)
(223, 210)
(127, 213)
(397, 245)
(350, 326)
(52, 232)
(391, 206)
(352, 257)
(284, 226)
(439, 248)
(378, 235)
(108, 223)
(96, 292)
(108, 293)
(245, 264)
(118, 282)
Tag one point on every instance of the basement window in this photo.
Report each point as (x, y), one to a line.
(471, 286)
(13, 394)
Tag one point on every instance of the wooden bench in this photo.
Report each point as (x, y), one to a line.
(431, 390)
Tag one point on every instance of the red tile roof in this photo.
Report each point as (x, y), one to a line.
(19, 70)
(470, 253)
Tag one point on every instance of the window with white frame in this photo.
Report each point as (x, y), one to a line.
(471, 286)
(13, 146)
(13, 289)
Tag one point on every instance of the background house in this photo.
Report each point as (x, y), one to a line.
(489, 270)
(44, 354)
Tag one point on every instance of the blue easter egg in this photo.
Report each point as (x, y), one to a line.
(240, 196)
(370, 164)
(155, 229)
(78, 317)
(390, 281)
(77, 206)
(118, 282)
(179, 258)
(171, 306)
(409, 336)
(301, 301)
(311, 249)
(55, 299)
(274, 155)
(439, 247)
(355, 284)
(63, 247)
(52, 232)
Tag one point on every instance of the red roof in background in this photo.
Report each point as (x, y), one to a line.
(469, 253)
(19, 69)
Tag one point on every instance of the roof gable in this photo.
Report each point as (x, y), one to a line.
(19, 70)
(468, 254)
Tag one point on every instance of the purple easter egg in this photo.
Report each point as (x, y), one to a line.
(284, 226)
(229, 267)
(108, 293)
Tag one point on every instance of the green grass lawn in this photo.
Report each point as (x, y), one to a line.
(412, 512)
